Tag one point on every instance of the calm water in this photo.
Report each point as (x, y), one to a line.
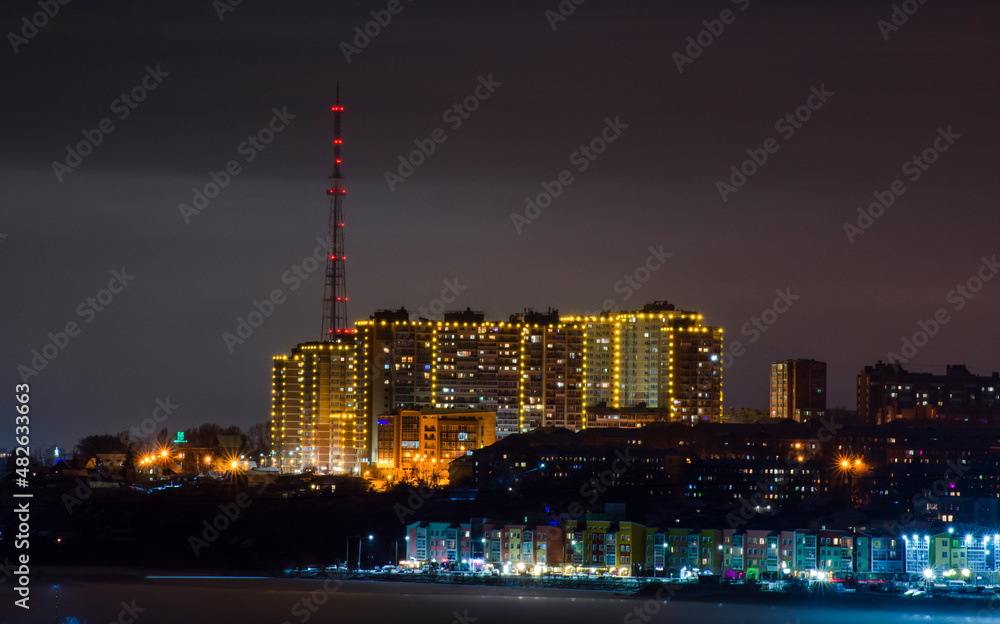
(176, 601)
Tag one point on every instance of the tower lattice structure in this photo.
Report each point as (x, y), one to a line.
(335, 292)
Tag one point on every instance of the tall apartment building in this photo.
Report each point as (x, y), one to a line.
(314, 412)
(798, 389)
(658, 357)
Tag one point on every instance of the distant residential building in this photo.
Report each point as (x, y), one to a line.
(804, 550)
(734, 549)
(835, 553)
(879, 557)
(769, 484)
(798, 389)
(627, 418)
(420, 444)
(917, 550)
(888, 392)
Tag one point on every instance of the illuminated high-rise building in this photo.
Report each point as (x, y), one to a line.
(659, 357)
(314, 409)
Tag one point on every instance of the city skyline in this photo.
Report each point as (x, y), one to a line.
(506, 207)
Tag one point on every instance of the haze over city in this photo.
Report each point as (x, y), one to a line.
(682, 116)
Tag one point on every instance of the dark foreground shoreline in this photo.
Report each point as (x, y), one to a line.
(425, 585)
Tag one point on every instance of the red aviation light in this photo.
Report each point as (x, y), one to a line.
(337, 161)
(337, 141)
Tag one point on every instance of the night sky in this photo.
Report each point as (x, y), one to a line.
(880, 96)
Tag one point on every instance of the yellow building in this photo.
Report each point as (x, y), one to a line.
(657, 356)
(314, 425)
(630, 547)
(418, 445)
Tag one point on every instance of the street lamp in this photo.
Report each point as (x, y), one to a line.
(370, 538)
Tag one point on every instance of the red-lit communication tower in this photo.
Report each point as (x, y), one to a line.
(335, 293)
